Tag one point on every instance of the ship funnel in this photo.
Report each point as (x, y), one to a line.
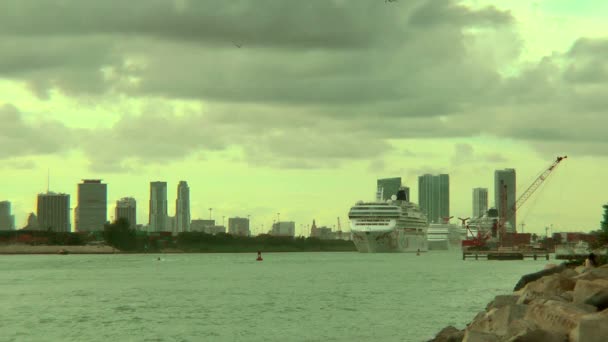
(402, 195)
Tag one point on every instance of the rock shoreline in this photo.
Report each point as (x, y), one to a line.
(560, 303)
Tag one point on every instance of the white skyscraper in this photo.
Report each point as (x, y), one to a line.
(182, 208)
(480, 201)
(158, 218)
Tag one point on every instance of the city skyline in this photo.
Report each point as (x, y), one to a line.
(298, 118)
(260, 226)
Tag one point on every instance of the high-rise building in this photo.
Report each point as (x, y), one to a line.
(91, 214)
(182, 208)
(287, 228)
(388, 187)
(434, 196)
(126, 208)
(53, 211)
(238, 226)
(7, 220)
(504, 185)
(480, 201)
(158, 217)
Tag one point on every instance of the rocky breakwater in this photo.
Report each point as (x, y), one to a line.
(557, 304)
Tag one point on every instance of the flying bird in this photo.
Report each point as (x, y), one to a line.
(237, 45)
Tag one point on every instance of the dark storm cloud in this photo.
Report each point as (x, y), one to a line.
(18, 137)
(299, 84)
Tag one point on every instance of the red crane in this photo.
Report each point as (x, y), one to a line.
(507, 214)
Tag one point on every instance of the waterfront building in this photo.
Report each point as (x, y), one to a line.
(434, 196)
(158, 216)
(215, 229)
(504, 185)
(182, 208)
(389, 187)
(238, 226)
(201, 225)
(323, 233)
(480, 202)
(53, 211)
(287, 228)
(172, 224)
(126, 208)
(91, 213)
(7, 220)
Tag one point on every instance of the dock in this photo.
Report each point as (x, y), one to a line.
(505, 255)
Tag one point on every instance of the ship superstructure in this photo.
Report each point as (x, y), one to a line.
(395, 225)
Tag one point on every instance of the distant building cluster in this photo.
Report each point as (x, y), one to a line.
(434, 196)
(90, 214)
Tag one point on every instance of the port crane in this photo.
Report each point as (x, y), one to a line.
(505, 215)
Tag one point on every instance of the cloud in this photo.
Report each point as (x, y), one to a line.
(18, 137)
(314, 84)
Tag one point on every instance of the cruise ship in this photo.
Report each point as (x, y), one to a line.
(444, 236)
(396, 225)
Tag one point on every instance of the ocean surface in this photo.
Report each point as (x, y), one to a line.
(231, 297)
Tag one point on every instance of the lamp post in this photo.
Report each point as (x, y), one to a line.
(210, 210)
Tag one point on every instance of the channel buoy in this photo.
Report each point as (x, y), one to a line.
(259, 258)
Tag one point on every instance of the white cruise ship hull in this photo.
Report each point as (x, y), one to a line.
(391, 241)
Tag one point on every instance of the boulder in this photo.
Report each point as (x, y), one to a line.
(502, 300)
(538, 335)
(569, 273)
(535, 276)
(591, 328)
(546, 287)
(586, 289)
(593, 274)
(599, 300)
(555, 316)
(497, 320)
(478, 336)
(449, 334)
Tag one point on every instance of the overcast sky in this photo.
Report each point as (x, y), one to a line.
(297, 107)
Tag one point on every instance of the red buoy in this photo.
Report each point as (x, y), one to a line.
(259, 258)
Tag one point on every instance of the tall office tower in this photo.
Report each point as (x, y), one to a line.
(126, 208)
(53, 211)
(505, 178)
(480, 201)
(7, 220)
(182, 208)
(388, 186)
(91, 214)
(158, 207)
(238, 226)
(434, 196)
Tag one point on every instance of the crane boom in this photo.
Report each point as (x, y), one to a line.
(531, 189)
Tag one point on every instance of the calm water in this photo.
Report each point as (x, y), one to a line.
(231, 297)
